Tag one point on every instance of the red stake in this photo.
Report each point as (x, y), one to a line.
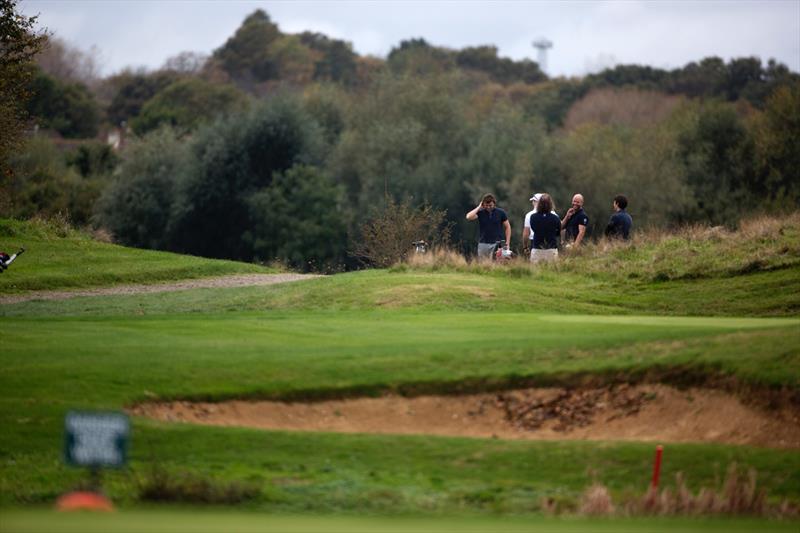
(657, 466)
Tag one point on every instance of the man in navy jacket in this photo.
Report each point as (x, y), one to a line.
(621, 222)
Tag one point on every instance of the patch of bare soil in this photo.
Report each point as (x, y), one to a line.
(626, 413)
(237, 280)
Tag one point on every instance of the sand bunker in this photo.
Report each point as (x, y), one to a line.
(655, 413)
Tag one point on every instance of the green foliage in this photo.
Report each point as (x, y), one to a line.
(131, 90)
(402, 141)
(552, 100)
(19, 43)
(328, 105)
(510, 155)
(137, 207)
(416, 57)
(603, 161)
(716, 150)
(67, 108)
(93, 158)
(503, 70)
(338, 61)
(42, 184)
(187, 103)
(743, 77)
(246, 55)
(231, 161)
(298, 220)
(776, 135)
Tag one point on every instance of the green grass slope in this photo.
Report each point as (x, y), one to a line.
(59, 257)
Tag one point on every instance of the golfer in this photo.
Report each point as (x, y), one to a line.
(575, 222)
(546, 228)
(619, 226)
(527, 234)
(493, 225)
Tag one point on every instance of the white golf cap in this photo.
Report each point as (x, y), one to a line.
(535, 197)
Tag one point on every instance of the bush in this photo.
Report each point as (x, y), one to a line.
(298, 220)
(230, 162)
(137, 206)
(386, 238)
(42, 184)
(186, 104)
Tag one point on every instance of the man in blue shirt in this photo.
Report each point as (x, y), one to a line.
(621, 222)
(575, 222)
(494, 226)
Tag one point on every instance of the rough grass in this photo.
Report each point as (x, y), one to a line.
(695, 252)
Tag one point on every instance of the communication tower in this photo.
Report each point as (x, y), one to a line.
(542, 45)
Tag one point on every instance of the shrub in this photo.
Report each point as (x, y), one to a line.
(386, 238)
(137, 206)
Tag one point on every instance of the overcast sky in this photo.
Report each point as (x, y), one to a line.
(587, 36)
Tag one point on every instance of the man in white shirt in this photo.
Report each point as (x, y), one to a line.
(527, 234)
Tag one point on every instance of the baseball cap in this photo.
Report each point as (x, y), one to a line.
(535, 197)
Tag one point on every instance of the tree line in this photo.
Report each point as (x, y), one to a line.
(282, 146)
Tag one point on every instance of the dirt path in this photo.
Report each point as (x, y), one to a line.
(237, 280)
(655, 413)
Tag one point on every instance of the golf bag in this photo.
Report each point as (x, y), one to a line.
(6, 260)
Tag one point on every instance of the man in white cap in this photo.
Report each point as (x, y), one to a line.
(527, 234)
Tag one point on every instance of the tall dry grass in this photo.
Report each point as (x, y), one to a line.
(759, 244)
(739, 495)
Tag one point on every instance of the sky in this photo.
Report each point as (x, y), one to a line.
(587, 35)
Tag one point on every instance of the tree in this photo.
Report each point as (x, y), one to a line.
(503, 70)
(776, 134)
(246, 55)
(603, 161)
(187, 103)
(418, 58)
(717, 152)
(65, 107)
(338, 61)
(298, 219)
(19, 44)
(43, 184)
(93, 158)
(131, 90)
(232, 160)
(403, 141)
(136, 208)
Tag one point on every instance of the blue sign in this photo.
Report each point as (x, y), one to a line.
(96, 439)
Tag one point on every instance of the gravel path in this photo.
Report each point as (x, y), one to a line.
(237, 280)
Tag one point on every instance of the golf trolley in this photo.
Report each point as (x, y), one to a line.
(500, 254)
(420, 247)
(6, 260)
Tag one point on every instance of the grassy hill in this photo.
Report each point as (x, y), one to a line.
(59, 257)
(441, 327)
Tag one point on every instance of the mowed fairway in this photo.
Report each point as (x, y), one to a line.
(116, 361)
(249, 522)
(367, 333)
